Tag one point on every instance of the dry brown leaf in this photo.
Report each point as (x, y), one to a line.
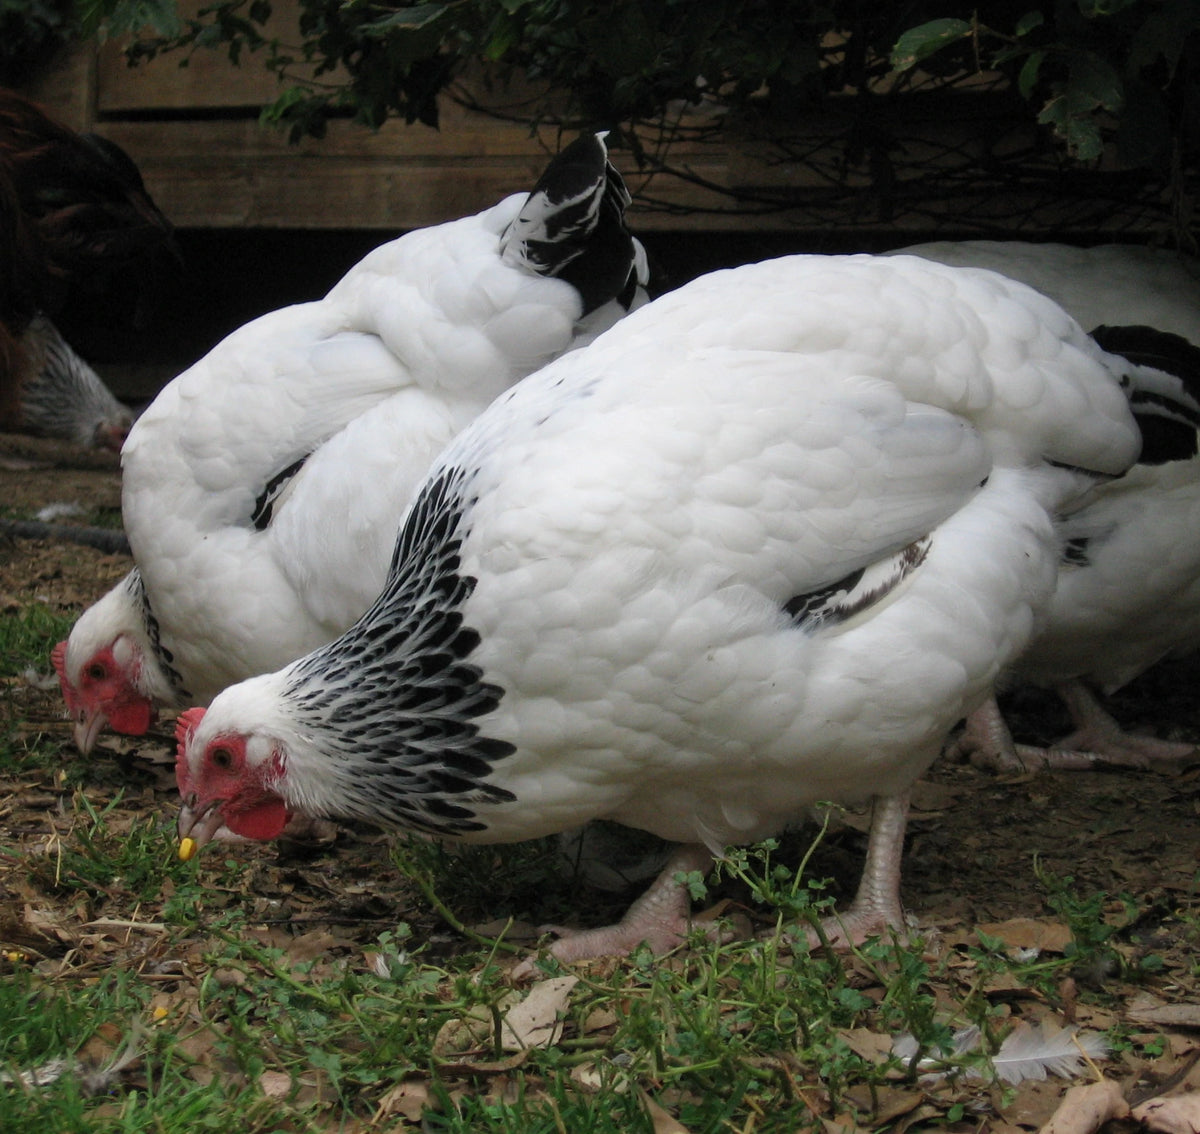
(884, 1104)
(462, 1034)
(875, 1047)
(275, 1084)
(1175, 1114)
(310, 946)
(408, 1099)
(1085, 1109)
(1030, 933)
(537, 1020)
(1035, 1102)
(843, 1126)
(1167, 1015)
(598, 1019)
(927, 796)
(49, 925)
(468, 1065)
(508, 929)
(587, 1077)
(664, 1121)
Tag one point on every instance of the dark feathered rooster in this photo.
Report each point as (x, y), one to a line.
(74, 216)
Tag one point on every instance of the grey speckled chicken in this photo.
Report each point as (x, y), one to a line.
(63, 396)
(75, 220)
(759, 545)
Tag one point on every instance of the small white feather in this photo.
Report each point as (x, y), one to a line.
(63, 510)
(1029, 1051)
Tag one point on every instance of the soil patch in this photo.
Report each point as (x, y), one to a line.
(981, 847)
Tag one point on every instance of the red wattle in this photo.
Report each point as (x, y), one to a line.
(265, 821)
(132, 718)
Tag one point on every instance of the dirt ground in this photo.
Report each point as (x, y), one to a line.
(976, 840)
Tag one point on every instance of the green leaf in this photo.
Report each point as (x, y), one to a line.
(1071, 120)
(128, 17)
(422, 16)
(1027, 79)
(920, 42)
(1097, 9)
(1029, 22)
(1096, 80)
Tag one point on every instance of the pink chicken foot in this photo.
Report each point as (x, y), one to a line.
(661, 916)
(1097, 742)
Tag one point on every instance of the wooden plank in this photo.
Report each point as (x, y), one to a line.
(390, 196)
(223, 170)
(67, 88)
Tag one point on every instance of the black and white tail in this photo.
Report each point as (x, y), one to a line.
(1163, 389)
(573, 228)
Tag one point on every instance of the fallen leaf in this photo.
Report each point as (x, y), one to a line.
(1176, 1114)
(884, 1104)
(587, 1077)
(537, 1020)
(843, 1126)
(1030, 933)
(927, 796)
(461, 1034)
(408, 1099)
(1034, 1103)
(507, 929)
(598, 1019)
(1168, 1015)
(275, 1084)
(664, 1122)
(1085, 1109)
(875, 1047)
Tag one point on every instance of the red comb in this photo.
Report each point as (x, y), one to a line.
(185, 725)
(58, 658)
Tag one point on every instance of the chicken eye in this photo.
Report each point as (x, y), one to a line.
(96, 671)
(221, 758)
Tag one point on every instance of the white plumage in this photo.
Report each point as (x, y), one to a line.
(759, 545)
(263, 486)
(1129, 586)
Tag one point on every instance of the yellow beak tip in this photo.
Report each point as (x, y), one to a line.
(187, 848)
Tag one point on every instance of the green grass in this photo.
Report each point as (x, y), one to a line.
(27, 636)
(97, 517)
(233, 1024)
(716, 1033)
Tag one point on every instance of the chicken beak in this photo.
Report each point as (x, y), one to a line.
(88, 727)
(197, 826)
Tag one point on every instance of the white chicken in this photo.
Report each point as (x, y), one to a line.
(1129, 584)
(760, 545)
(263, 486)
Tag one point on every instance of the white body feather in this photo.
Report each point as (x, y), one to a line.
(376, 378)
(1138, 598)
(638, 515)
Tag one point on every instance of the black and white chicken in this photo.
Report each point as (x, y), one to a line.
(263, 486)
(760, 545)
(1129, 581)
